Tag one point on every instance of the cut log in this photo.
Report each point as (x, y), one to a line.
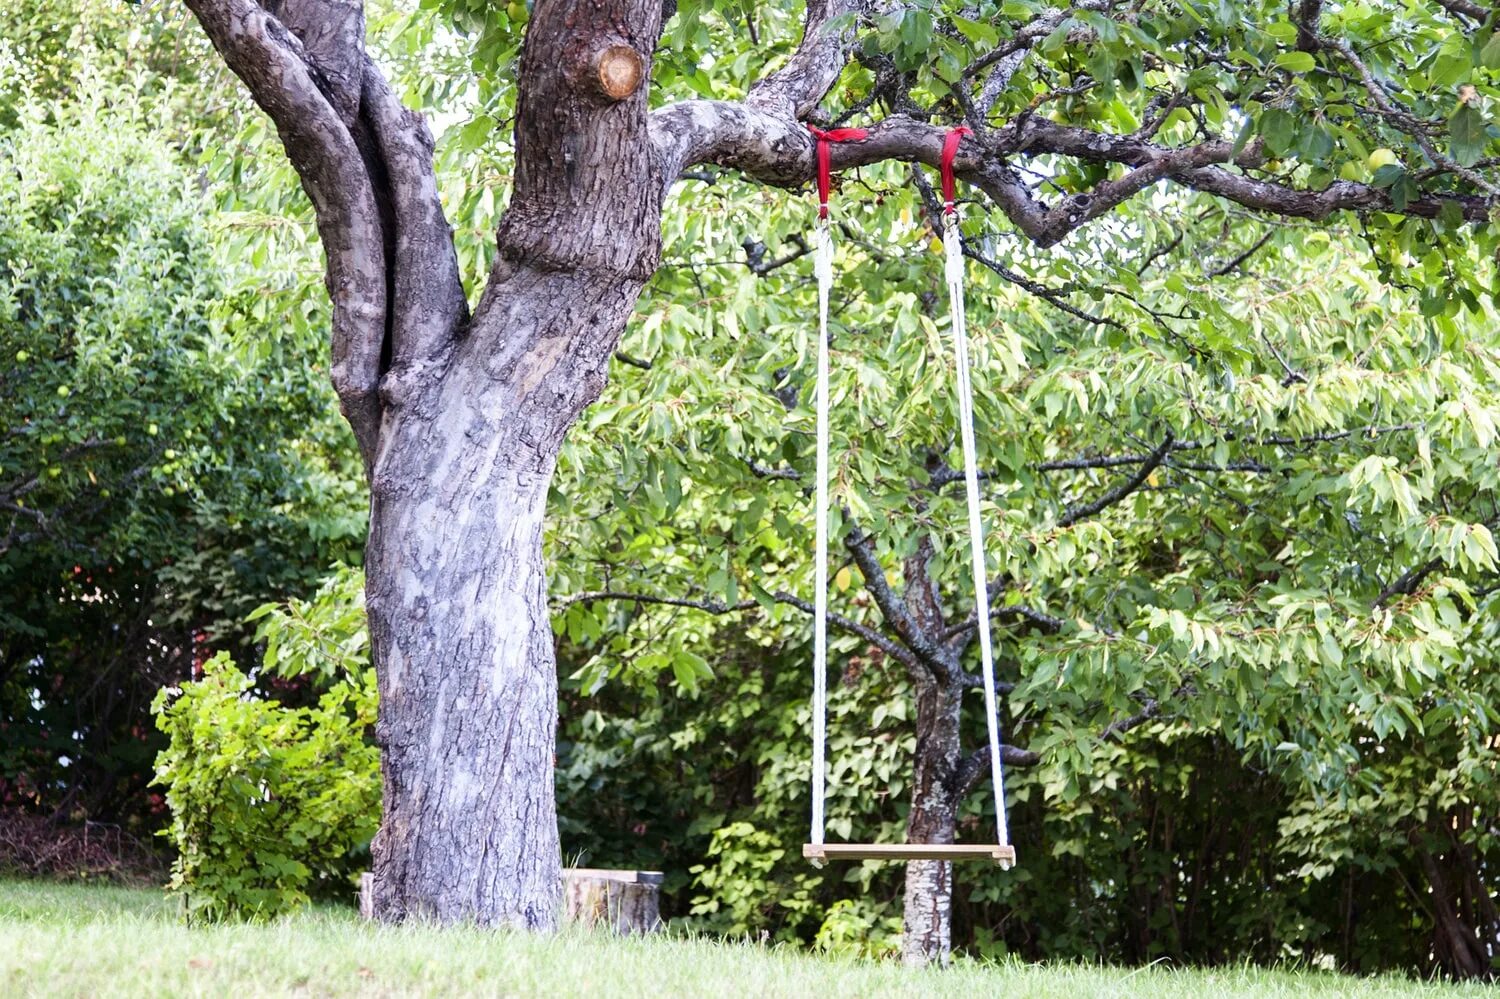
(626, 901)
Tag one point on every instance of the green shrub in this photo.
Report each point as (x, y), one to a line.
(270, 804)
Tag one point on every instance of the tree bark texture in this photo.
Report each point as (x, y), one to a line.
(460, 419)
(927, 907)
(927, 914)
(456, 584)
(628, 902)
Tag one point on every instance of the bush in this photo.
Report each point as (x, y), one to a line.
(270, 804)
(168, 457)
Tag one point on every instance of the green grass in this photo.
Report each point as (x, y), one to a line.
(94, 940)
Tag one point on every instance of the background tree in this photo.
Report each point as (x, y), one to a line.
(460, 417)
(1232, 592)
(165, 465)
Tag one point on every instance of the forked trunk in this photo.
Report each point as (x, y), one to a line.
(456, 588)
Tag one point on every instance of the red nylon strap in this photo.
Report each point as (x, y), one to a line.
(950, 150)
(825, 137)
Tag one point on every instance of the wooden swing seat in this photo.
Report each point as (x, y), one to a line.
(1005, 856)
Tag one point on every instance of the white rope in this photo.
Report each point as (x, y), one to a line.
(823, 265)
(953, 260)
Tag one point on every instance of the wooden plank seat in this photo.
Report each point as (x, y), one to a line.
(1005, 856)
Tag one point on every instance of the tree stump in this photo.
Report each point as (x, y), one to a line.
(627, 901)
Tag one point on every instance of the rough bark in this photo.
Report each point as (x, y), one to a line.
(460, 420)
(927, 915)
(456, 584)
(628, 902)
(927, 907)
(457, 599)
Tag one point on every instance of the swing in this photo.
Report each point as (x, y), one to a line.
(818, 851)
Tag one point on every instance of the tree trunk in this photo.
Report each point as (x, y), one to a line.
(457, 599)
(456, 587)
(460, 421)
(927, 916)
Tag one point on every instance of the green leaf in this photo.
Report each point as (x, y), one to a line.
(1279, 129)
(1489, 55)
(1296, 62)
(978, 32)
(1466, 130)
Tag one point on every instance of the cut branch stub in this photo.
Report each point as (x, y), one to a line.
(618, 70)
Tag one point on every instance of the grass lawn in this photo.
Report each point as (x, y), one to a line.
(83, 940)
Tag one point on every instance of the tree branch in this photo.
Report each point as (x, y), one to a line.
(929, 651)
(794, 90)
(261, 51)
(875, 638)
(776, 150)
(945, 476)
(1041, 619)
(1465, 8)
(1412, 579)
(1150, 709)
(1074, 514)
(427, 299)
(977, 764)
(1403, 120)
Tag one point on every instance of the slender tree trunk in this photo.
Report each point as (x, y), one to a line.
(927, 915)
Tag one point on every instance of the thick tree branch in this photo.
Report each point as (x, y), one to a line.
(1407, 583)
(977, 764)
(895, 650)
(776, 150)
(1309, 13)
(427, 299)
(271, 61)
(1465, 8)
(332, 33)
(794, 90)
(931, 653)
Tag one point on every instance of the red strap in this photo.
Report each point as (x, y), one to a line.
(950, 149)
(824, 157)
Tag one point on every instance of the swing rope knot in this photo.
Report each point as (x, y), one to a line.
(825, 138)
(945, 165)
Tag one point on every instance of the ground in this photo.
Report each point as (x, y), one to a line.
(75, 940)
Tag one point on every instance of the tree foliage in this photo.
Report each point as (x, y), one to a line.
(164, 465)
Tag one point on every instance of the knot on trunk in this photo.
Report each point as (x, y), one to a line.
(618, 70)
(609, 67)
